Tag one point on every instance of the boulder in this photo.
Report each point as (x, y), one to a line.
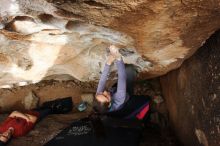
(44, 38)
(192, 95)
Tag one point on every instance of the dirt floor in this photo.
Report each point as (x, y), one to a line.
(156, 133)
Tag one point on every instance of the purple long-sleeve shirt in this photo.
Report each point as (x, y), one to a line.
(118, 97)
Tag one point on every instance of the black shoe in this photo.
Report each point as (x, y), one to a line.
(59, 106)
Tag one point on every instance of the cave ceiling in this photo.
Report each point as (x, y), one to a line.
(68, 39)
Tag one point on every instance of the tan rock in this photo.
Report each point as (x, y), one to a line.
(30, 101)
(157, 36)
(87, 97)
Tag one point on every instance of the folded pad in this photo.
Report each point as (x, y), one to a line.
(83, 133)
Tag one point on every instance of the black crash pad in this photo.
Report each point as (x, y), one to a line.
(83, 133)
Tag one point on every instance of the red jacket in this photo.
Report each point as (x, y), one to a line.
(20, 125)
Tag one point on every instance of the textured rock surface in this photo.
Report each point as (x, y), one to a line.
(163, 33)
(16, 98)
(192, 95)
(78, 52)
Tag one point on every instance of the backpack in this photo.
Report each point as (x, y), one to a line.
(131, 108)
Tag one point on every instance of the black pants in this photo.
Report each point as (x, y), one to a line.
(131, 74)
(2, 143)
(43, 112)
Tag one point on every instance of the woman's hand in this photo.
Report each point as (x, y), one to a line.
(110, 59)
(115, 51)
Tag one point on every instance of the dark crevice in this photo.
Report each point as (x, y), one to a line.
(69, 15)
(10, 25)
(95, 4)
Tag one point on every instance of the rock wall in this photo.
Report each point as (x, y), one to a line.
(192, 94)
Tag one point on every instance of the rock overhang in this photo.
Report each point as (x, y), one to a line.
(44, 39)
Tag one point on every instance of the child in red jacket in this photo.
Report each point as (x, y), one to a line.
(19, 124)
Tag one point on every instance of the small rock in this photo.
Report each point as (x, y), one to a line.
(30, 101)
(87, 97)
